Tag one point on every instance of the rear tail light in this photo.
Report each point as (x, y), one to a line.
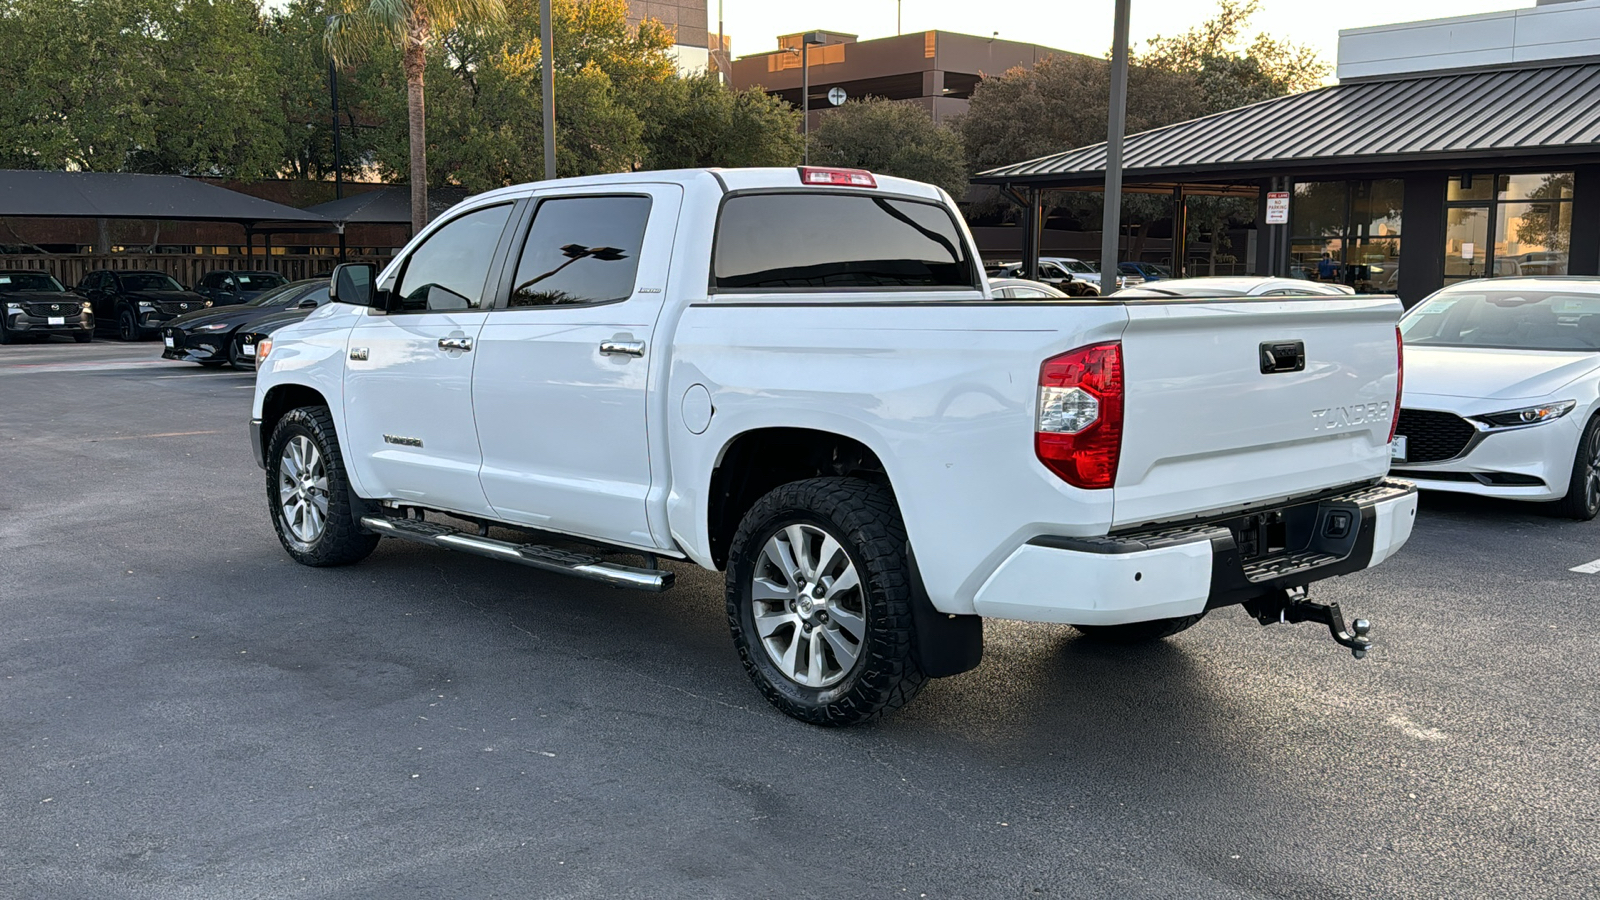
(1078, 434)
(1399, 380)
(839, 177)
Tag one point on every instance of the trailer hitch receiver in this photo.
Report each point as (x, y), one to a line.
(1291, 606)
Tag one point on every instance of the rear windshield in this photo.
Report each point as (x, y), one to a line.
(29, 281)
(832, 241)
(1513, 320)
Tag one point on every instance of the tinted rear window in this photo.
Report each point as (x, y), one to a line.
(836, 241)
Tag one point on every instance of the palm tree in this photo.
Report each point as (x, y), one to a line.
(410, 24)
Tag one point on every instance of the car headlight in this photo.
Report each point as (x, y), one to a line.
(208, 304)
(215, 326)
(146, 304)
(1531, 415)
(13, 307)
(263, 347)
(88, 307)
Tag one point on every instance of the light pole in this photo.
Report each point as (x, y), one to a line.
(547, 47)
(806, 40)
(1116, 119)
(333, 105)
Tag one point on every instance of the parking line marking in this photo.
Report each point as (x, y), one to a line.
(1588, 568)
(140, 437)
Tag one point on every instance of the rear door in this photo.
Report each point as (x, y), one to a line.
(1210, 424)
(563, 363)
(408, 377)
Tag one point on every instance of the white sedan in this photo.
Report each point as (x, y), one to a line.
(1502, 391)
(1219, 286)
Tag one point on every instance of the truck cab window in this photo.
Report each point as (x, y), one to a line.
(449, 270)
(581, 251)
(829, 241)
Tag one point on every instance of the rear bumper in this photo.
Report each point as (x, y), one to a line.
(1184, 570)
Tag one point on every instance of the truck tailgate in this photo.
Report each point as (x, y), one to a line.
(1207, 429)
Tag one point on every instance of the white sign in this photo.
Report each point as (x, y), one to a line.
(837, 96)
(1466, 250)
(1277, 207)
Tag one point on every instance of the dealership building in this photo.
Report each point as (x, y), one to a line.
(1449, 149)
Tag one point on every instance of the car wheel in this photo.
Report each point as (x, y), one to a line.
(819, 601)
(6, 336)
(309, 493)
(83, 337)
(1582, 501)
(1139, 632)
(127, 325)
(212, 363)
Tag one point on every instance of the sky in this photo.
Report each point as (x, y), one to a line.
(1083, 26)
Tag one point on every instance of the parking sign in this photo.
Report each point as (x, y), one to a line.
(1277, 207)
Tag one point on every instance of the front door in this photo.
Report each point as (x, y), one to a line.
(408, 376)
(564, 361)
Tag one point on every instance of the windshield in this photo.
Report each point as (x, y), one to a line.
(29, 281)
(147, 281)
(1509, 320)
(1073, 265)
(259, 281)
(282, 295)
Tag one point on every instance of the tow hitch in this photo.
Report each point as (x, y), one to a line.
(1291, 606)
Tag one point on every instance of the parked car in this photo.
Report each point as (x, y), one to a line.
(833, 411)
(135, 304)
(243, 348)
(1074, 277)
(36, 306)
(1502, 392)
(228, 287)
(1233, 286)
(1137, 272)
(205, 336)
(1023, 289)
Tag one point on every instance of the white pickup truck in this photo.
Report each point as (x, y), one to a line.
(799, 377)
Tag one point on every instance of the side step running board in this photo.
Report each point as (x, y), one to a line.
(535, 556)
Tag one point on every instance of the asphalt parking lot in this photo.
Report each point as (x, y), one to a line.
(186, 713)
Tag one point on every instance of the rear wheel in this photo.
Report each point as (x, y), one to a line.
(309, 493)
(127, 325)
(1139, 632)
(819, 601)
(1582, 501)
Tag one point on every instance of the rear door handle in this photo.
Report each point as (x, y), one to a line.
(463, 344)
(622, 348)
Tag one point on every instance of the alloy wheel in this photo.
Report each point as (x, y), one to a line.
(303, 489)
(1591, 481)
(810, 611)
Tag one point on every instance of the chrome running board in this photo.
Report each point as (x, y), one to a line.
(535, 556)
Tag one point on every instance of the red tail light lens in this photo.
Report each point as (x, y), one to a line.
(1399, 380)
(1078, 433)
(839, 177)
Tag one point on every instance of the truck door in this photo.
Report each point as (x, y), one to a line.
(408, 378)
(563, 363)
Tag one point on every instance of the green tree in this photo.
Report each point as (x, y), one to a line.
(891, 138)
(411, 26)
(696, 121)
(1231, 73)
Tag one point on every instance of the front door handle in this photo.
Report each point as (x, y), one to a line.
(463, 344)
(623, 348)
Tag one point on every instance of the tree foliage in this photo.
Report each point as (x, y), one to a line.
(1229, 72)
(891, 138)
(697, 122)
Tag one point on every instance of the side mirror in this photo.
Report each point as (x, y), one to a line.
(308, 303)
(352, 283)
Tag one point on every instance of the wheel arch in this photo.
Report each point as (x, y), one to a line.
(284, 397)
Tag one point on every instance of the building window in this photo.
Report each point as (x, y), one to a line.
(1500, 225)
(1347, 232)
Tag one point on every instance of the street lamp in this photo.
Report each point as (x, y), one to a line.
(546, 46)
(1116, 119)
(807, 40)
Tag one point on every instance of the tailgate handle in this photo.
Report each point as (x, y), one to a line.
(1283, 356)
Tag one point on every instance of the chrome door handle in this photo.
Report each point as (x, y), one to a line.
(623, 348)
(455, 343)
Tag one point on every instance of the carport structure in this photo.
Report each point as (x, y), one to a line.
(384, 206)
(1490, 172)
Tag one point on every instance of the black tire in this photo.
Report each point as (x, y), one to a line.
(341, 540)
(6, 336)
(864, 520)
(1139, 632)
(212, 363)
(1582, 501)
(83, 337)
(127, 325)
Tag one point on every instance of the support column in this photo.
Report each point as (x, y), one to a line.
(1265, 235)
(1032, 228)
(1583, 255)
(1180, 233)
(1421, 237)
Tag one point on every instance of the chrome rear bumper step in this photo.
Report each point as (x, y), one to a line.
(535, 556)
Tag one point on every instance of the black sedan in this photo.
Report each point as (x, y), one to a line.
(207, 337)
(248, 341)
(34, 305)
(135, 304)
(229, 287)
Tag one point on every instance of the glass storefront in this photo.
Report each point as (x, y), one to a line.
(1347, 232)
(1529, 217)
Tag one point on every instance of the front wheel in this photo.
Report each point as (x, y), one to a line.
(1582, 501)
(309, 493)
(127, 326)
(819, 601)
(83, 337)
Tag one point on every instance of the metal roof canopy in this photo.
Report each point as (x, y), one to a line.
(1395, 123)
(106, 195)
(385, 206)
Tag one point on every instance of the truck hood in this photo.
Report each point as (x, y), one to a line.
(1493, 374)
